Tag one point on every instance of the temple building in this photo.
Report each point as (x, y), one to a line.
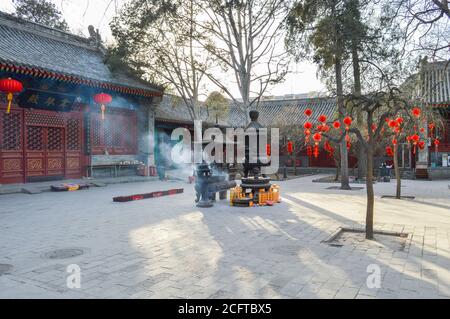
(55, 129)
(433, 86)
(59, 129)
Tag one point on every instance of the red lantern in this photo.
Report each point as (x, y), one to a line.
(422, 130)
(348, 121)
(392, 124)
(374, 127)
(416, 112)
(308, 112)
(308, 126)
(268, 149)
(394, 142)
(415, 139)
(322, 118)
(290, 147)
(309, 151)
(103, 99)
(421, 145)
(337, 125)
(325, 128)
(399, 120)
(317, 138)
(389, 151)
(327, 146)
(436, 144)
(10, 86)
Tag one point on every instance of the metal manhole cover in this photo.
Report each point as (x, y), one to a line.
(64, 253)
(286, 250)
(5, 269)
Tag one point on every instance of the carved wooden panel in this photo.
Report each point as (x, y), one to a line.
(11, 132)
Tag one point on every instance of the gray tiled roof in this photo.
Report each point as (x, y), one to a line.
(32, 45)
(285, 112)
(272, 112)
(435, 84)
(173, 108)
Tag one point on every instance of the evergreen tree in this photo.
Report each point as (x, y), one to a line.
(40, 11)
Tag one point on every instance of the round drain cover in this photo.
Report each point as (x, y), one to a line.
(5, 269)
(64, 253)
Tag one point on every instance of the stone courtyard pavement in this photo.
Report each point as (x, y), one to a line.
(168, 248)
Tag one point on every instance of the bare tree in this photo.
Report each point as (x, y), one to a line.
(242, 36)
(157, 39)
(427, 25)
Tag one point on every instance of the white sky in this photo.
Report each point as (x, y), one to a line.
(81, 13)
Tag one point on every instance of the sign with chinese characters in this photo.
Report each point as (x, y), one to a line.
(44, 100)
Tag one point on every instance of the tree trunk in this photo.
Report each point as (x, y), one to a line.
(398, 193)
(369, 180)
(357, 90)
(370, 194)
(336, 178)
(343, 145)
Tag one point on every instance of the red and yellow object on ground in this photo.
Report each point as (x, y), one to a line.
(263, 197)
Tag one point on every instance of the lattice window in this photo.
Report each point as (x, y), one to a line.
(11, 140)
(73, 135)
(44, 119)
(96, 131)
(35, 138)
(117, 133)
(108, 135)
(55, 138)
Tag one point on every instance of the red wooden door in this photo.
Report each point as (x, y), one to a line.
(11, 146)
(44, 152)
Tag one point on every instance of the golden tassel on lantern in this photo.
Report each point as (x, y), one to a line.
(103, 108)
(10, 98)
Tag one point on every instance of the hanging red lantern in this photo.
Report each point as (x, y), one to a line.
(103, 99)
(348, 121)
(392, 124)
(416, 112)
(337, 125)
(308, 126)
(308, 112)
(431, 126)
(309, 151)
(421, 145)
(399, 120)
(436, 144)
(415, 139)
(317, 138)
(290, 147)
(325, 128)
(374, 127)
(268, 149)
(322, 118)
(394, 142)
(327, 146)
(10, 86)
(389, 152)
